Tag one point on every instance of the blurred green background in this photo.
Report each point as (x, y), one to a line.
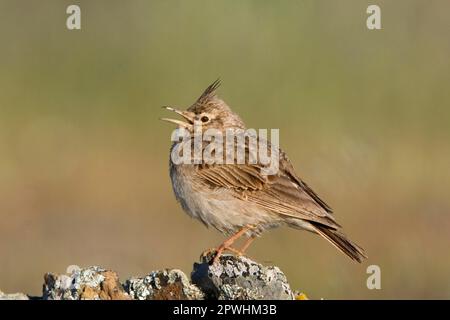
(364, 116)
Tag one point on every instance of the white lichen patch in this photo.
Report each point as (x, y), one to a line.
(152, 285)
(90, 277)
(69, 287)
(139, 288)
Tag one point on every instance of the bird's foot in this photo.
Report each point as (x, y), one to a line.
(208, 252)
(226, 245)
(214, 254)
(221, 249)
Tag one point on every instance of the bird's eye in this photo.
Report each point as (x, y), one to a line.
(204, 119)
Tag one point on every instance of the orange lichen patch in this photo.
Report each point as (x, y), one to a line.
(111, 289)
(89, 293)
(172, 291)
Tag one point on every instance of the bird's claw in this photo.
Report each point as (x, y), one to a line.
(214, 254)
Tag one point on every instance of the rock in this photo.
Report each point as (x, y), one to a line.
(240, 278)
(163, 285)
(13, 296)
(93, 283)
(231, 278)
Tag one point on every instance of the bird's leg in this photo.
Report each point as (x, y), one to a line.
(246, 245)
(215, 250)
(226, 245)
(241, 252)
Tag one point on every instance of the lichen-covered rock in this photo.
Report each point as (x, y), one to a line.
(231, 278)
(93, 283)
(239, 278)
(13, 296)
(163, 285)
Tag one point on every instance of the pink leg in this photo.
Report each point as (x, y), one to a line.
(226, 245)
(247, 244)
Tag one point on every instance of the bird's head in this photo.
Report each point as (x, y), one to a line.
(209, 111)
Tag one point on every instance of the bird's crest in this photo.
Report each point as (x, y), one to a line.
(209, 92)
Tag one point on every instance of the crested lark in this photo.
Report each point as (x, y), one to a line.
(239, 199)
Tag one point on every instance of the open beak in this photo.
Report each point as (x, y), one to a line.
(188, 116)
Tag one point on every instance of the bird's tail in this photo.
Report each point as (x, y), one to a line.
(341, 242)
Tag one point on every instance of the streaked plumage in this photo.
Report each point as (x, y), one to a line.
(230, 197)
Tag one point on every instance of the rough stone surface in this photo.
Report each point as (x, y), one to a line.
(239, 278)
(163, 285)
(93, 283)
(231, 278)
(13, 296)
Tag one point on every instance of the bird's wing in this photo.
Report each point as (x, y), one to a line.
(282, 193)
(289, 170)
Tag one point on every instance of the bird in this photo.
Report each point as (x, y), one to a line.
(240, 199)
